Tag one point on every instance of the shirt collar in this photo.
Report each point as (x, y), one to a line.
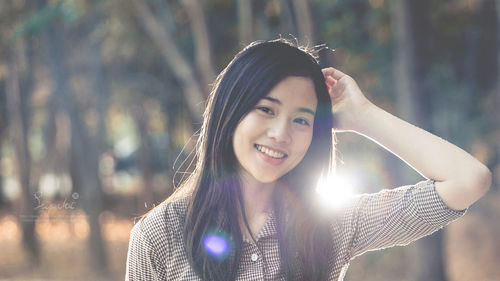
(268, 230)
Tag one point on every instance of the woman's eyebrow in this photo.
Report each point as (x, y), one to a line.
(307, 110)
(272, 100)
(301, 109)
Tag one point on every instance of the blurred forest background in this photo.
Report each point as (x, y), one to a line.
(99, 98)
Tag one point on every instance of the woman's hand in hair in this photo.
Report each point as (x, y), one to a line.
(460, 179)
(348, 102)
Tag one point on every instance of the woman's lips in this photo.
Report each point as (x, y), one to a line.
(266, 156)
(271, 151)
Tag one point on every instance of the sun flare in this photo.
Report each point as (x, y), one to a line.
(334, 191)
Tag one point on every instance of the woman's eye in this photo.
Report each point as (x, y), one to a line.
(266, 110)
(302, 121)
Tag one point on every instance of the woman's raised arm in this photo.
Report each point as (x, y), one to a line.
(460, 178)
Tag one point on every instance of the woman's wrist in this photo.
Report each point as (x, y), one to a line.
(360, 119)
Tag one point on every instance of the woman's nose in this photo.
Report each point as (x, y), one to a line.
(280, 132)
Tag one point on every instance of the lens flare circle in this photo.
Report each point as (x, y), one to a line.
(217, 244)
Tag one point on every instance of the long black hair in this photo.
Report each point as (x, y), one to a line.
(213, 190)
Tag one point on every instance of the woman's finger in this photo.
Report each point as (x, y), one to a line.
(330, 81)
(335, 73)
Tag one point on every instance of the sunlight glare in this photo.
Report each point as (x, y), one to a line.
(334, 191)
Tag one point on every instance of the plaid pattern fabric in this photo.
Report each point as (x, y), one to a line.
(367, 222)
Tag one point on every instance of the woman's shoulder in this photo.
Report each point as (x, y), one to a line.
(163, 221)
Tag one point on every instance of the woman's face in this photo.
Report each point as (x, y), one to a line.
(275, 135)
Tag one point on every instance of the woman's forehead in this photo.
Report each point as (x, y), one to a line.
(294, 90)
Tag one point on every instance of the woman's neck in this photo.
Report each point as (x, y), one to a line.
(257, 201)
(257, 196)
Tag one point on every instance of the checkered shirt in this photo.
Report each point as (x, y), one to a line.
(367, 222)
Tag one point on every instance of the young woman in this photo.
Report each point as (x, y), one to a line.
(249, 212)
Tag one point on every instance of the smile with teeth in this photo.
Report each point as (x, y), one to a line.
(270, 152)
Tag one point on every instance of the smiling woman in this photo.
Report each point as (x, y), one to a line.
(248, 211)
(274, 137)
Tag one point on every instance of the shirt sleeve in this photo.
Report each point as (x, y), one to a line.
(142, 258)
(397, 217)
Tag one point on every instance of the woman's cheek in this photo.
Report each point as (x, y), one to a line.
(305, 142)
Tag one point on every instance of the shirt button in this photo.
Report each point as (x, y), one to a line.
(254, 257)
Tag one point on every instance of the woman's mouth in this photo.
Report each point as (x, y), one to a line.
(270, 152)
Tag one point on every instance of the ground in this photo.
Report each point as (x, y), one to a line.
(472, 249)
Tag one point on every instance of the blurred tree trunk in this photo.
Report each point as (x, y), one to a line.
(173, 57)
(142, 123)
(304, 22)
(3, 134)
(496, 89)
(56, 137)
(422, 32)
(404, 60)
(471, 53)
(288, 24)
(93, 194)
(497, 6)
(245, 22)
(176, 127)
(404, 77)
(203, 55)
(410, 100)
(84, 163)
(295, 17)
(17, 92)
(101, 90)
(496, 180)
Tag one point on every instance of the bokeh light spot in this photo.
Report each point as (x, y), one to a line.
(216, 245)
